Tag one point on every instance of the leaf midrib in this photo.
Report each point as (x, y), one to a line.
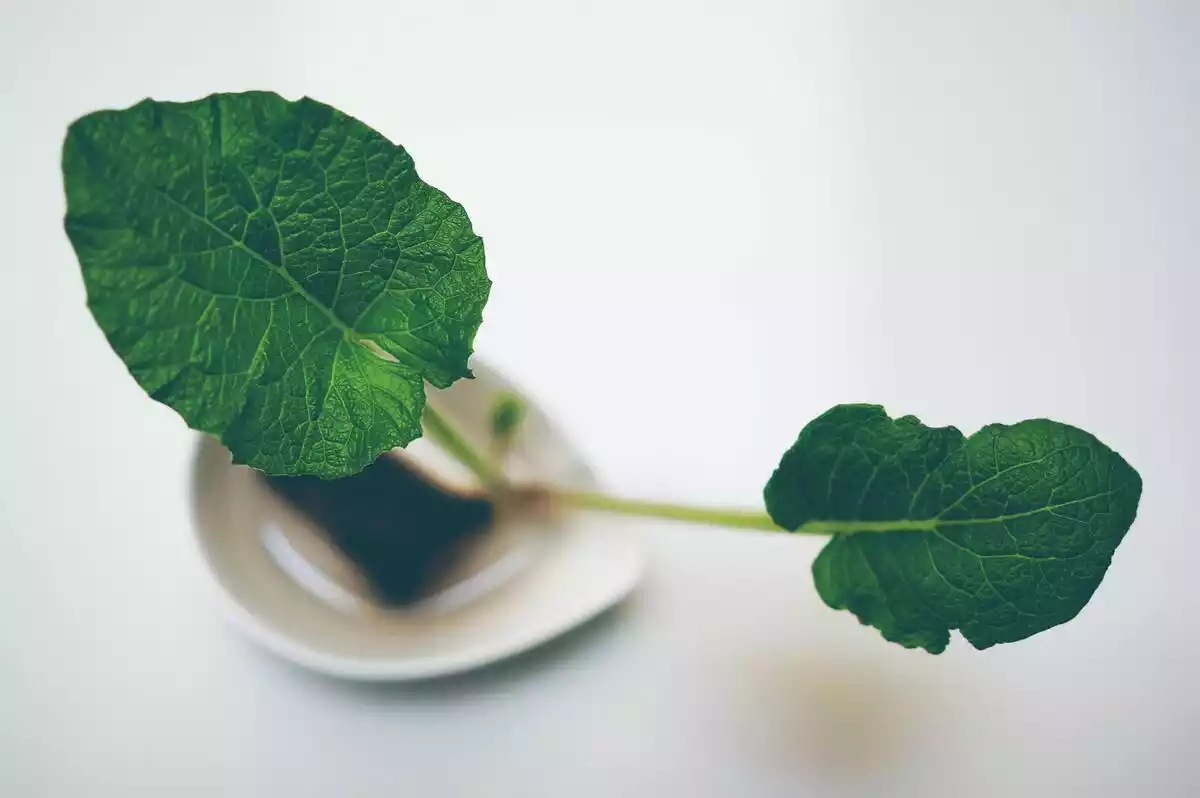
(346, 330)
(841, 527)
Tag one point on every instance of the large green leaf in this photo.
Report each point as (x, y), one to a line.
(248, 257)
(1001, 535)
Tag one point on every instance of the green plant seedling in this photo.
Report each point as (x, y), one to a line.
(278, 274)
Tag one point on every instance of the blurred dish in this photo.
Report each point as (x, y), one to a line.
(525, 582)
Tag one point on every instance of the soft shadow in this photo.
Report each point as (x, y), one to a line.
(850, 714)
(497, 677)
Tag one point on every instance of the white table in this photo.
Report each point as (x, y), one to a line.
(704, 228)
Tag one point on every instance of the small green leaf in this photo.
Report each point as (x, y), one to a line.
(1001, 535)
(250, 257)
(508, 411)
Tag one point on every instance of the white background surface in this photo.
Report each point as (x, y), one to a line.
(706, 222)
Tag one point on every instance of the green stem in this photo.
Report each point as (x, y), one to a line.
(740, 519)
(445, 435)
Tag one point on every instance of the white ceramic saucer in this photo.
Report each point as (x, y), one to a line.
(518, 587)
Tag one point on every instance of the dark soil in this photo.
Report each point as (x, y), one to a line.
(397, 527)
